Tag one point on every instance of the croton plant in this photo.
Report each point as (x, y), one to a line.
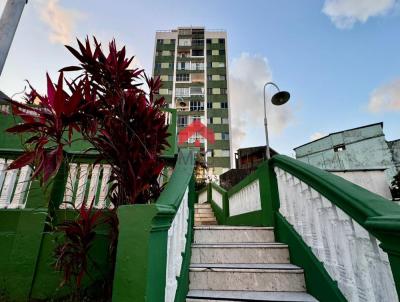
(105, 102)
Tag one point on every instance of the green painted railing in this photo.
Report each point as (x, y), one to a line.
(346, 238)
(154, 242)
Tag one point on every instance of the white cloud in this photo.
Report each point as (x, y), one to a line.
(248, 74)
(317, 135)
(385, 98)
(61, 21)
(345, 13)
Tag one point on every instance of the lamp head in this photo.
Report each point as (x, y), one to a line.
(280, 98)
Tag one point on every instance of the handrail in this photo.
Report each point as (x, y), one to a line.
(359, 203)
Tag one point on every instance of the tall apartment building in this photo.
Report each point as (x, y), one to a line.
(192, 64)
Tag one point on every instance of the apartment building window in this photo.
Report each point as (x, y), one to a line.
(209, 105)
(158, 53)
(166, 65)
(184, 54)
(208, 41)
(209, 77)
(217, 64)
(183, 66)
(182, 91)
(223, 91)
(209, 120)
(182, 120)
(165, 77)
(184, 77)
(224, 105)
(222, 77)
(198, 52)
(221, 41)
(225, 136)
(196, 90)
(197, 42)
(158, 66)
(197, 66)
(165, 91)
(209, 91)
(185, 42)
(196, 106)
(197, 77)
(222, 52)
(209, 52)
(160, 41)
(225, 120)
(224, 153)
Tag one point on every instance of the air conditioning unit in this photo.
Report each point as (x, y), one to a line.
(182, 105)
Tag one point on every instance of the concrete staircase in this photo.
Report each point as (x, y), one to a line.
(204, 215)
(242, 264)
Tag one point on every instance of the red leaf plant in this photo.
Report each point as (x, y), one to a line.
(72, 254)
(105, 102)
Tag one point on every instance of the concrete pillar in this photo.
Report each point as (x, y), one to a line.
(8, 25)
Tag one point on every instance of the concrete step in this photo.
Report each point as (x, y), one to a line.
(200, 223)
(201, 211)
(228, 234)
(241, 296)
(202, 206)
(204, 215)
(240, 253)
(208, 218)
(256, 277)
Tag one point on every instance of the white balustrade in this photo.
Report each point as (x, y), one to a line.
(203, 197)
(246, 200)
(5, 109)
(216, 197)
(176, 246)
(87, 183)
(14, 185)
(348, 252)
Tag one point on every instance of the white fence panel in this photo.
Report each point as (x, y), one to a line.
(246, 200)
(203, 197)
(87, 183)
(14, 185)
(348, 252)
(217, 197)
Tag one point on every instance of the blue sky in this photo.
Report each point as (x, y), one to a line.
(340, 59)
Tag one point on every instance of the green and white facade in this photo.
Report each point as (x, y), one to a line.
(192, 64)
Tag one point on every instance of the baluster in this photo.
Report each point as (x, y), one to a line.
(328, 230)
(101, 204)
(21, 188)
(70, 186)
(94, 183)
(82, 182)
(8, 186)
(346, 274)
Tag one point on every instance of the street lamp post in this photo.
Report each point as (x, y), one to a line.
(8, 25)
(279, 98)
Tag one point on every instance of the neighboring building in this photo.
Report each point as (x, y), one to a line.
(250, 158)
(192, 64)
(363, 148)
(247, 160)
